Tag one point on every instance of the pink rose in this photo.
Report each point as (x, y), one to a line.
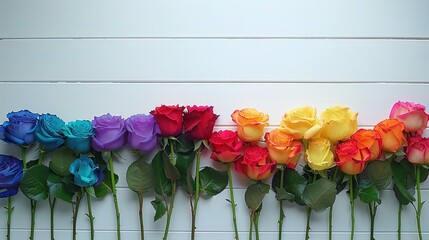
(413, 116)
(418, 150)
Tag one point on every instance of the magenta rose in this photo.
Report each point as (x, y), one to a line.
(413, 116)
(110, 133)
(142, 132)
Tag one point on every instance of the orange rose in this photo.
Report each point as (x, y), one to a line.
(255, 163)
(350, 159)
(282, 148)
(251, 124)
(392, 134)
(370, 139)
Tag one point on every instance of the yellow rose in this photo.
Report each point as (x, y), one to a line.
(251, 124)
(319, 155)
(301, 123)
(339, 123)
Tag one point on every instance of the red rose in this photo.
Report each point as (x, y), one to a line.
(255, 163)
(169, 119)
(350, 158)
(225, 146)
(199, 121)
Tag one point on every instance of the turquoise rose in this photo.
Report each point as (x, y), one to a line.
(78, 135)
(85, 172)
(49, 132)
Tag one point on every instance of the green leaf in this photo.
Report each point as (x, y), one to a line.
(140, 176)
(61, 160)
(57, 188)
(212, 182)
(254, 195)
(293, 183)
(320, 195)
(379, 173)
(170, 170)
(161, 185)
(184, 145)
(34, 183)
(159, 207)
(105, 186)
(184, 165)
(424, 172)
(399, 153)
(404, 182)
(282, 194)
(368, 192)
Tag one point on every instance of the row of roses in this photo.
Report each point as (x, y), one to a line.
(328, 141)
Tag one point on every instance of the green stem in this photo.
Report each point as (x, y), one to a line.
(141, 215)
(330, 221)
(115, 198)
(9, 216)
(251, 227)
(281, 212)
(173, 192)
(33, 205)
(256, 222)
(372, 212)
(197, 192)
(170, 210)
(75, 214)
(90, 216)
(419, 202)
(41, 157)
(24, 156)
(231, 194)
(307, 229)
(352, 205)
(52, 208)
(399, 220)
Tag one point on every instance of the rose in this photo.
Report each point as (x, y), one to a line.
(319, 155)
(169, 119)
(370, 139)
(418, 150)
(10, 175)
(198, 122)
(301, 123)
(282, 148)
(85, 172)
(225, 146)
(78, 135)
(251, 124)
(49, 131)
(413, 116)
(20, 128)
(142, 132)
(350, 158)
(392, 134)
(339, 123)
(255, 163)
(109, 132)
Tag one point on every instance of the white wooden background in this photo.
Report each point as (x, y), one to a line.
(80, 59)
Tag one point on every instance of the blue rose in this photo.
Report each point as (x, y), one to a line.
(10, 175)
(78, 135)
(49, 132)
(85, 172)
(20, 128)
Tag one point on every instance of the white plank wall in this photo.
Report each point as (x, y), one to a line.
(80, 59)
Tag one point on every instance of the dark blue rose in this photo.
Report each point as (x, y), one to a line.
(78, 135)
(20, 128)
(10, 175)
(49, 132)
(85, 172)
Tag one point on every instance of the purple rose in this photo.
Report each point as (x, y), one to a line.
(10, 175)
(142, 132)
(109, 133)
(20, 128)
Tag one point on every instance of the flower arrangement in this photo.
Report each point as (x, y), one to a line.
(76, 159)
